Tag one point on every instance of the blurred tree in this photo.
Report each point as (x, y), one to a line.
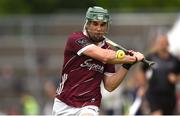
(43, 6)
(141, 5)
(58, 6)
(54, 6)
(14, 7)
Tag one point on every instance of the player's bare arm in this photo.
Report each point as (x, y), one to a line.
(107, 55)
(111, 82)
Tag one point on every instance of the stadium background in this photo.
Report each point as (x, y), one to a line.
(32, 38)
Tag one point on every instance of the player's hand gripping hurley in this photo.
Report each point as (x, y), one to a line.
(149, 63)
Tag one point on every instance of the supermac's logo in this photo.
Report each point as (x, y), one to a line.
(92, 66)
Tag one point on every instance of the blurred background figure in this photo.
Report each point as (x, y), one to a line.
(112, 102)
(30, 105)
(162, 77)
(138, 105)
(50, 91)
(10, 89)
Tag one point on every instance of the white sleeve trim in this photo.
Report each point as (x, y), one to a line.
(85, 48)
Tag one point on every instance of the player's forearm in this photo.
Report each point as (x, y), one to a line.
(126, 59)
(112, 82)
(104, 55)
(107, 56)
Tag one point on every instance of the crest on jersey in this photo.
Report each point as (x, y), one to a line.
(82, 42)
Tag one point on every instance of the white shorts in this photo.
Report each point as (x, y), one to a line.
(60, 108)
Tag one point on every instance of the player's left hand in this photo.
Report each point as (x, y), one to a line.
(139, 56)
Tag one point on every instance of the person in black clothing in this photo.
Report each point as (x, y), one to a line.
(161, 78)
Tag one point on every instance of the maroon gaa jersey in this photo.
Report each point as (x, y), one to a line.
(81, 75)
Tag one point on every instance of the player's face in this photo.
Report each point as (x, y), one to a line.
(162, 43)
(97, 30)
